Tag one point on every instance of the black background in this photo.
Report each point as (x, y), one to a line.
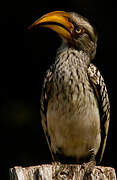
(24, 57)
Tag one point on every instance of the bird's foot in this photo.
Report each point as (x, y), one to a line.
(56, 163)
(62, 171)
(88, 169)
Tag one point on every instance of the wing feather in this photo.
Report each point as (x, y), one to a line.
(99, 86)
(44, 103)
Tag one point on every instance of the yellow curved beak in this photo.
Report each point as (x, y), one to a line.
(57, 21)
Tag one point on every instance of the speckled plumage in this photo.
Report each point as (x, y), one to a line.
(72, 113)
(75, 107)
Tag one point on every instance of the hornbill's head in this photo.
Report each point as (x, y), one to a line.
(73, 28)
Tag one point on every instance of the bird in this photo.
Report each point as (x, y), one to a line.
(75, 107)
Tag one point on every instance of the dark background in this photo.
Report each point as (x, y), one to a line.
(25, 56)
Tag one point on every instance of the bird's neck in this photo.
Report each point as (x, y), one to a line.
(72, 55)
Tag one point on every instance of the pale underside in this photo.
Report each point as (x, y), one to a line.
(75, 107)
(74, 126)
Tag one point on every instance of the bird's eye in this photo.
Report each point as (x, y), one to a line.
(78, 30)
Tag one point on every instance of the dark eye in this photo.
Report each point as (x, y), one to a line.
(78, 30)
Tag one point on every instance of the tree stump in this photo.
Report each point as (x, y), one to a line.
(58, 171)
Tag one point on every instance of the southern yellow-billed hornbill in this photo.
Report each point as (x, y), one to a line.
(74, 103)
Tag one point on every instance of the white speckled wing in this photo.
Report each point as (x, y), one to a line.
(97, 82)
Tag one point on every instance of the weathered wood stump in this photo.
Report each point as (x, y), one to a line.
(58, 171)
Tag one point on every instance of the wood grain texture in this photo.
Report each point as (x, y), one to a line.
(58, 171)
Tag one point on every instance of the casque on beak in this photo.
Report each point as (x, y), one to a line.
(57, 21)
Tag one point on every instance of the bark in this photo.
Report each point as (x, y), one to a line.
(57, 171)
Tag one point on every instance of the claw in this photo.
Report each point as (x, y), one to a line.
(89, 169)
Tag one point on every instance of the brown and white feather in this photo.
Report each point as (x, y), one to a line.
(73, 85)
(97, 82)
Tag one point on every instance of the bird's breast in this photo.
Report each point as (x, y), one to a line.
(73, 116)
